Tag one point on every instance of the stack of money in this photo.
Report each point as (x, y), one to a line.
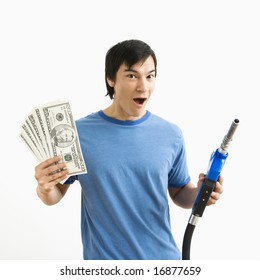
(50, 131)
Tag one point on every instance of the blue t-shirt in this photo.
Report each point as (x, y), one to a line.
(131, 164)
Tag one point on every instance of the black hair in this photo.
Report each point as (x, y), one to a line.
(129, 52)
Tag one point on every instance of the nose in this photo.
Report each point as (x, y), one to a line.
(142, 85)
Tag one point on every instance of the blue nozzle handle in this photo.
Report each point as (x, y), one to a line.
(216, 164)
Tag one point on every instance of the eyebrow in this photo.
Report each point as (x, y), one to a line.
(135, 71)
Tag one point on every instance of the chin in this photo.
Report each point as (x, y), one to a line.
(138, 115)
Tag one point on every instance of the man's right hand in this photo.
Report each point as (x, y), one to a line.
(49, 173)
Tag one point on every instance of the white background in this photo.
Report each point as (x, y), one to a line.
(208, 74)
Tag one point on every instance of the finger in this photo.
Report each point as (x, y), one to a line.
(39, 169)
(202, 176)
(41, 174)
(211, 201)
(58, 176)
(218, 188)
(49, 181)
(220, 179)
(54, 168)
(48, 162)
(201, 179)
(215, 196)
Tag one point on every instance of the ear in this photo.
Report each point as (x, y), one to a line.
(110, 82)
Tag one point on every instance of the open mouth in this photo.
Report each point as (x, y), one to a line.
(139, 101)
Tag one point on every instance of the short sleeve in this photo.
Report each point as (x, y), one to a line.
(71, 180)
(179, 174)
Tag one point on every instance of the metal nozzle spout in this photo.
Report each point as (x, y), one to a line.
(228, 138)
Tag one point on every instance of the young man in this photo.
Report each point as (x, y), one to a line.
(134, 159)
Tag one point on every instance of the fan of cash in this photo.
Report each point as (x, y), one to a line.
(50, 131)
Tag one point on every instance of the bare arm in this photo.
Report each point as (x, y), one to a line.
(185, 196)
(49, 176)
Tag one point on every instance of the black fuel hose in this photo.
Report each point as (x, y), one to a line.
(187, 241)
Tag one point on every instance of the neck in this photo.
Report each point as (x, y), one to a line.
(119, 114)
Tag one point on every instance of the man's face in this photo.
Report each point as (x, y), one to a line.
(133, 88)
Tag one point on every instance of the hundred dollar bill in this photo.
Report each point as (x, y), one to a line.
(42, 131)
(30, 145)
(28, 136)
(31, 121)
(62, 136)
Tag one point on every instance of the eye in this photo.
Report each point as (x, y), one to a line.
(131, 76)
(151, 76)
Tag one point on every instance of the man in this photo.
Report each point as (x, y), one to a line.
(134, 159)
